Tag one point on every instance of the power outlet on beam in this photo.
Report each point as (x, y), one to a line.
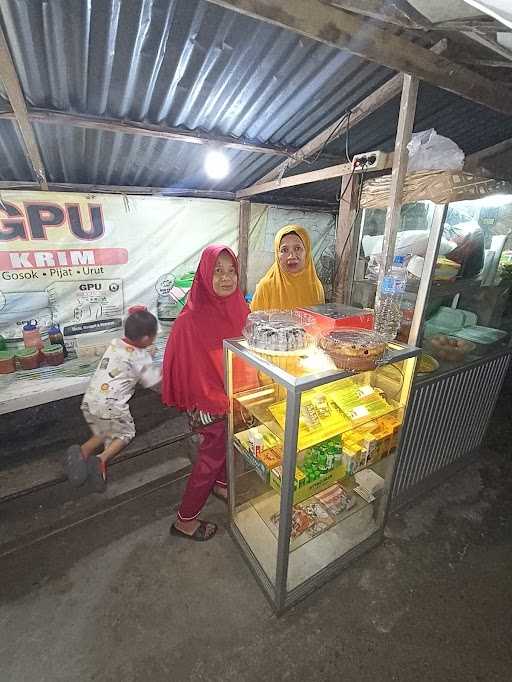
(370, 161)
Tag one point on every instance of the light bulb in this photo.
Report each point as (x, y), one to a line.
(216, 165)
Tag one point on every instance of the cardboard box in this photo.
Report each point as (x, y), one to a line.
(270, 458)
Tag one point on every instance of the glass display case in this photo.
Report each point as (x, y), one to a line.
(466, 314)
(457, 306)
(311, 455)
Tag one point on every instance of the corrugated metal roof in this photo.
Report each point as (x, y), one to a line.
(188, 64)
(470, 125)
(101, 157)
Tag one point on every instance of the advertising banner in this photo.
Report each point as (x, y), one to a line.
(79, 261)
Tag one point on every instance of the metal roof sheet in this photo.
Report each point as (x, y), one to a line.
(194, 65)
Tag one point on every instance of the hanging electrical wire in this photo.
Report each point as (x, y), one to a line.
(347, 132)
(345, 119)
(356, 216)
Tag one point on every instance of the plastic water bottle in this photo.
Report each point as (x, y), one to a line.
(387, 311)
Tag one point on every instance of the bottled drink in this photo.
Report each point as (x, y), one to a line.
(387, 311)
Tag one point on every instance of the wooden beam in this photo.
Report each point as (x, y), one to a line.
(388, 91)
(119, 189)
(294, 180)
(17, 99)
(347, 31)
(490, 63)
(389, 12)
(52, 117)
(304, 178)
(403, 14)
(244, 221)
(481, 24)
(346, 240)
(489, 43)
(501, 14)
(473, 161)
(400, 159)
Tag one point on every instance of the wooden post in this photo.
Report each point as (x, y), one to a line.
(400, 159)
(17, 99)
(346, 243)
(244, 220)
(427, 276)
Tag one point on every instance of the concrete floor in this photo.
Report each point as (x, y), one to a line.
(114, 598)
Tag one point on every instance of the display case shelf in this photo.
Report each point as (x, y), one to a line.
(337, 425)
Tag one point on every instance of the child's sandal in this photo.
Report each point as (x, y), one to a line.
(97, 474)
(75, 466)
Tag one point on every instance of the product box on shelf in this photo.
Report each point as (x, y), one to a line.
(260, 448)
(393, 422)
(313, 516)
(270, 458)
(352, 457)
(276, 475)
(302, 489)
(369, 481)
(252, 461)
(336, 499)
(258, 439)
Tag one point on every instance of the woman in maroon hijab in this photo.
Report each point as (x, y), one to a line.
(193, 378)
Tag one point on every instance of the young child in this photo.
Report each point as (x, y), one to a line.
(126, 363)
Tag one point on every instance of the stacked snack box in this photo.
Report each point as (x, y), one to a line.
(392, 423)
(368, 444)
(276, 476)
(270, 458)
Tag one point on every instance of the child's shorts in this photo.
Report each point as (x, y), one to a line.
(121, 426)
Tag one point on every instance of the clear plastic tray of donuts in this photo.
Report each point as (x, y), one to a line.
(279, 331)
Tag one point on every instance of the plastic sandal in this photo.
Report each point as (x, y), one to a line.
(75, 466)
(199, 535)
(220, 497)
(96, 474)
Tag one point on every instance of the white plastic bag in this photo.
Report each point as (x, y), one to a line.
(430, 151)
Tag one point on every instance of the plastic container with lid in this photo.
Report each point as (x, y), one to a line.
(54, 354)
(28, 358)
(353, 349)
(279, 331)
(32, 336)
(7, 362)
(450, 348)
